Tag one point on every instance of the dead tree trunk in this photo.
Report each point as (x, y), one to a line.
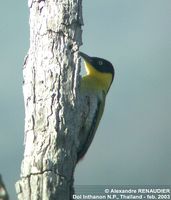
(51, 77)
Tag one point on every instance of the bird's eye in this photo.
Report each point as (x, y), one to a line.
(100, 62)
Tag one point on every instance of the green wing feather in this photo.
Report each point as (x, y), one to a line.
(90, 133)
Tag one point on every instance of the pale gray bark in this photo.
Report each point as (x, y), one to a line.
(51, 79)
(3, 190)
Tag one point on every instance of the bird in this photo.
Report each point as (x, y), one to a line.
(94, 87)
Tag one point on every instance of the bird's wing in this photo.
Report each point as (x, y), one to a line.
(89, 128)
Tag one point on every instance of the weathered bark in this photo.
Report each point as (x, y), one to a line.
(3, 190)
(51, 77)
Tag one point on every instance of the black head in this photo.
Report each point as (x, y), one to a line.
(99, 64)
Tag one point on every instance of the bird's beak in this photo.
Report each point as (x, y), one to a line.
(86, 58)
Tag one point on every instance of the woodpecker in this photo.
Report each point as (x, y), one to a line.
(94, 88)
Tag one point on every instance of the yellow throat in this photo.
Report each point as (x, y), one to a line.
(104, 79)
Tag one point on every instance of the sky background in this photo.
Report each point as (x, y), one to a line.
(132, 144)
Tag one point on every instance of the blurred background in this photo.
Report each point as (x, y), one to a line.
(132, 144)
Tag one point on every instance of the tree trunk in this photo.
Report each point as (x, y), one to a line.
(51, 79)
